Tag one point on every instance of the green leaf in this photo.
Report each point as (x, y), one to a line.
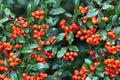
(8, 34)
(20, 39)
(76, 4)
(88, 78)
(4, 39)
(117, 30)
(13, 75)
(89, 24)
(19, 75)
(7, 11)
(101, 67)
(73, 48)
(60, 37)
(57, 11)
(48, 48)
(95, 78)
(54, 50)
(86, 65)
(103, 34)
(88, 61)
(61, 52)
(106, 78)
(68, 14)
(30, 19)
(114, 19)
(39, 66)
(26, 50)
(26, 30)
(29, 9)
(1, 1)
(13, 15)
(35, 3)
(49, 20)
(22, 64)
(99, 73)
(108, 27)
(66, 73)
(1, 7)
(55, 21)
(27, 68)
(106, 6)
(52, 21)
(80, 21)
(117, 9)
(70, 38)
(33, 45)
(49, 1)
(92, 12)
(16, 23)
(110, 1)
(6, 62)
(3, 20)
(56, 3)
(101, 23)
(98, 1)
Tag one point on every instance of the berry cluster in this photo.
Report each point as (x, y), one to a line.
(49, 55)
(80, 74)
(40, 31)
(38, 58)
(62, 23)
(70, 56)
(13, 60)
(2, 66)
(42, 43)
(85, 19)
(3, 77)
(93, 67)
(22, 21)
(94, 39)
(83, 10)
(94, 20)
(5, 47)
(18, 46)
(38, 14)
(92, 54)
(112, 35)
(113, 67)
(103, 55)
(73, 27)
(82, 35)
(112, 49)
(41, 76)
(52, 39)
(16, 31)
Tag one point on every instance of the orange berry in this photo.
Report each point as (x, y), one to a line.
(42, 43)
(41, 17)
(47, 43)
(105, 19)
(41, 12)
(82, 38)
(12, 64)
(37, 13)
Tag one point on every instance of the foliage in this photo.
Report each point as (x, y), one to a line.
(59, 39)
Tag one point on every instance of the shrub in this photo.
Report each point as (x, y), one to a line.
(59, 40)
